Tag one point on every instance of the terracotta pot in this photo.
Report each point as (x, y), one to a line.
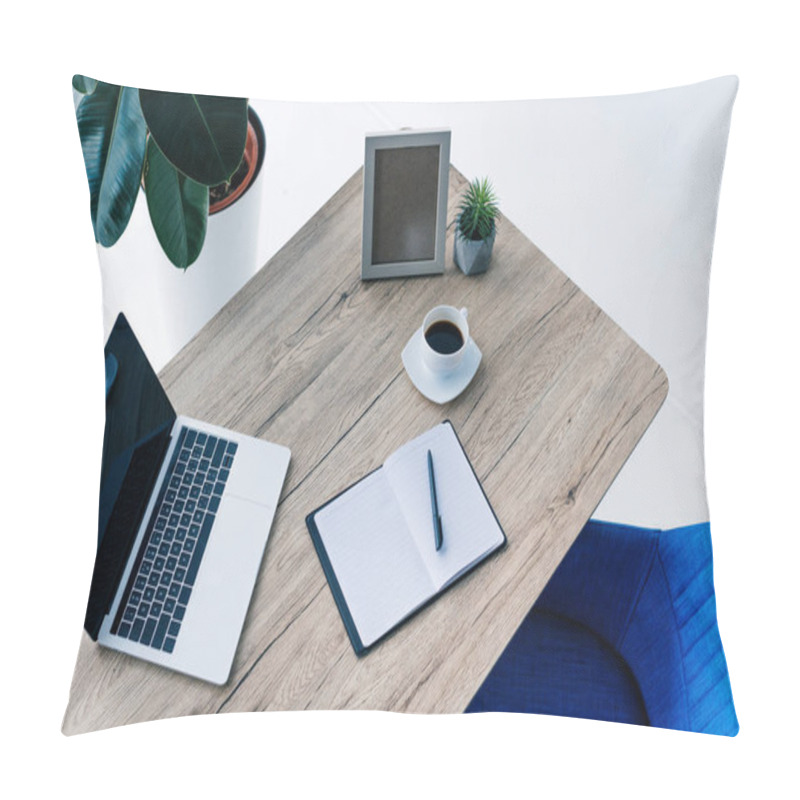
(253, 158)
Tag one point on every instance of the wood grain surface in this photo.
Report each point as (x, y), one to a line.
(308, 355)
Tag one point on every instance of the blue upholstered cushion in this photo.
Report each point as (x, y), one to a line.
(597, 683)
(625, 630)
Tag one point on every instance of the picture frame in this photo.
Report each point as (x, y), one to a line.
(406, 177)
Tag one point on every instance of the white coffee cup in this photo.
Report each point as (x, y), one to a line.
(444, 360)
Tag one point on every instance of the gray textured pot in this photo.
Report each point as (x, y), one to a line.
(471, 256)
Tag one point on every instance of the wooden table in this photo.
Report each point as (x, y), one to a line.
(308, 355)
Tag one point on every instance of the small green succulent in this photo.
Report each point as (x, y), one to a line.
(478, 211)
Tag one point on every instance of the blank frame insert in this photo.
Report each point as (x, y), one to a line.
(404, 211)
(405, 203)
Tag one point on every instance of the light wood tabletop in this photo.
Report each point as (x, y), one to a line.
(307, 355)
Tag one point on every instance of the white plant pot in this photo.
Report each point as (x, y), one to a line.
(167, 306)
(471, 256)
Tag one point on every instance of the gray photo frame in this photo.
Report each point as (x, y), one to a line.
(406, 178)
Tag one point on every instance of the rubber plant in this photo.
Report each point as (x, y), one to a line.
(174, 146)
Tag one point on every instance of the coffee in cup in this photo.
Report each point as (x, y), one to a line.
(445, 335)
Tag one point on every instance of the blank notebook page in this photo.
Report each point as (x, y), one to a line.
(380, 571)
(469, 527)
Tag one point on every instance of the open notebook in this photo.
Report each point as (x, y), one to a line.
(376, 542)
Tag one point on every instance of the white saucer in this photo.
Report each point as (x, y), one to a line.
(439, 388)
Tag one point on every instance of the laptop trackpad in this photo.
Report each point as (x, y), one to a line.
(225, 581)
(258, 472)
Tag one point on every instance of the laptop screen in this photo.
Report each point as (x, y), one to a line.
(139, 418)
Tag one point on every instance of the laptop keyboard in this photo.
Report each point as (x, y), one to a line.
(162, 579)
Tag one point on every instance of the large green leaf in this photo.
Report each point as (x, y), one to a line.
(113, 137)
(84, 85)
(178, 208)
(203, 136)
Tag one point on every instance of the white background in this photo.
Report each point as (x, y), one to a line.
(51, 340)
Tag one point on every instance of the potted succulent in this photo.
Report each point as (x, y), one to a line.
(476, 227)
(193, 155)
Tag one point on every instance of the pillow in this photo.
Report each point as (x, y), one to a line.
(190, 195)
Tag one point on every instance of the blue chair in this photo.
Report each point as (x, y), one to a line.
(625, 631)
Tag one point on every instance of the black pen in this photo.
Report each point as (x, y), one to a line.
(437, 520)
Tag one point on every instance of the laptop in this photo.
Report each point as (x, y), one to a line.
(185, 512)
